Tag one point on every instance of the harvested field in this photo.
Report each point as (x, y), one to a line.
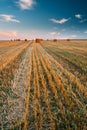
(43, 86)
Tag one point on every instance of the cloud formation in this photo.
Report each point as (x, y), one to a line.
(8, 18)
(26, 4)
(62, 21)
(85, 32)
(84, 20)
(78, 16)
(52, 33)
(8, 33)
(73, 36)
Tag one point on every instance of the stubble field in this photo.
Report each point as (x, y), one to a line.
(43, 86)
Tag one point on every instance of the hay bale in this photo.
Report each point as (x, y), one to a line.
(68, 39)
(38, 40)
(55, 40)
(26, 40)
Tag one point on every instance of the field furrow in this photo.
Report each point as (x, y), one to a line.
(43, 85)
(18, 88)
(72, 62)
(70, 101)
(45, 91)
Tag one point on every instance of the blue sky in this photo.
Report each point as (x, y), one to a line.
(46, 19)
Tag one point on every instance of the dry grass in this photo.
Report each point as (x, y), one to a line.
(48, 85)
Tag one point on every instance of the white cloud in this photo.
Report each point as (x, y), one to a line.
(58, 33)
(74, 36)
(53, 33)
(55, 28)
(62, 21)
(8, 18)
(79, 16)
(84, 20)
(85, 32)
(63, 30)
(26, 4)
(8, 33)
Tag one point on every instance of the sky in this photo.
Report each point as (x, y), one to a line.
(47, 19)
